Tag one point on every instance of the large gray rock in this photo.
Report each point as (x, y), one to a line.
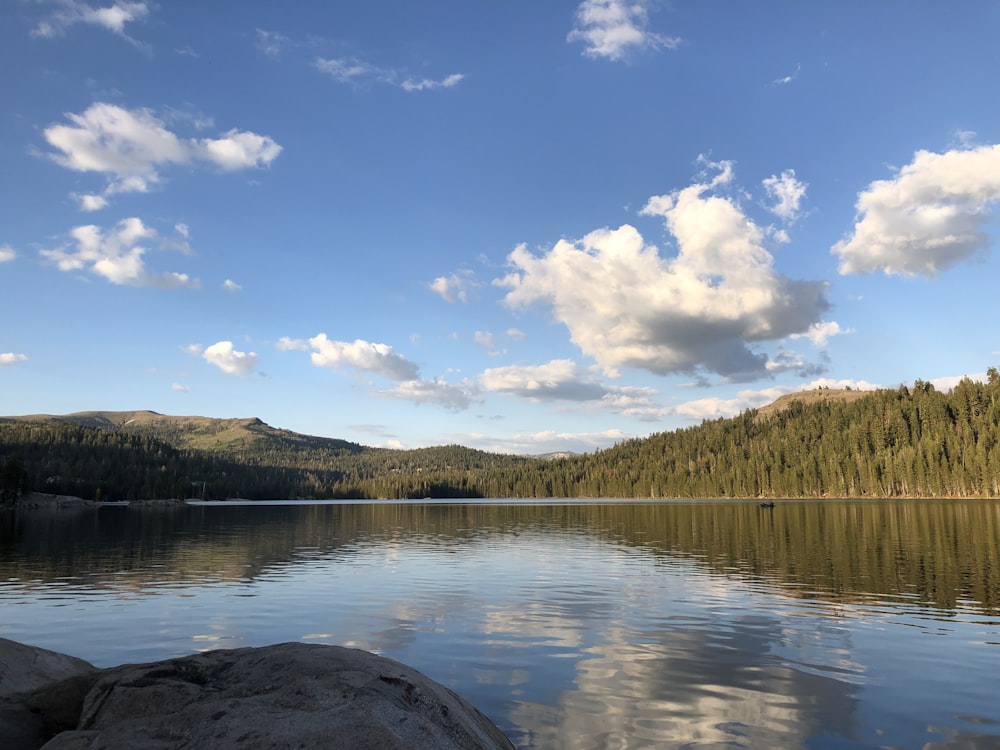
(41, 693)
(292, 695)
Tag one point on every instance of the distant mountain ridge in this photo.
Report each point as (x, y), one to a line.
(195, 432)
(222, 434)
(911, 441)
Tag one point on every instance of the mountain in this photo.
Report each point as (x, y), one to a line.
(903, 442)
(196, 433)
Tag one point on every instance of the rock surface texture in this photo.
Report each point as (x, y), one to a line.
(41, 693)
(291, 695)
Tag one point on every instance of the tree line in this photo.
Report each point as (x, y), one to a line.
(906, 442)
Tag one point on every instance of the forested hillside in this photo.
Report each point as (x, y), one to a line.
(904, 442)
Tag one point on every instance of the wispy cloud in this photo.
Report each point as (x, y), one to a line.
(436, 391)
(7, 253)
(614, 28)
(787, 193)
(785, 80)
(113, 18)
(453, 288)
(272, 43)
(10, 358)
(359, 73)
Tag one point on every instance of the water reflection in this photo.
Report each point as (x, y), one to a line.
(571, 625)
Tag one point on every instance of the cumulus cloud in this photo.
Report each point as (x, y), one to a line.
(564, 380)
(7, 254)
(10, 358)
(381, 360)
(113, 18)
(231, 286)
(787, 192)
(613, 28)
(286, 344)
(180, 388)
(90, 201)
(820, 333)
(436, 391)
(454, 288)
(358, 72)
(129, 147)
(224, 356)
(363, 356)
(116, 255)
(927, 218)
(703, 310)
(558, 380)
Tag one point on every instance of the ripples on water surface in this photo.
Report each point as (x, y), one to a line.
(573, 625)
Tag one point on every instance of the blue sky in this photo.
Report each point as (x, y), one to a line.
(522, 226)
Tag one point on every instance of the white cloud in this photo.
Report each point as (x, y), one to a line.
(546, 441)
(130, 146)
(558, 380)
(361, 355)
(10, 358)
(180, 388)
(90, 202)
(231, 286)
(238, 149)
(7, 254)
(224, 356)
(627, 307)
(271, 43)
(564, 380)
(613, 28)
(116, 255)
(437, 391)
(195, 350)
(927, 218)
(486, 340)
(714, 408)
(358, 72)
(113, 17)
(785, 80)
(950, 381)
(454, 288)
(788, 193)
(286, 344)
(820, 333)
(516, 334)
(424, 84)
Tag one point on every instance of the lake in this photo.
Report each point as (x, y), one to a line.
(579, 624)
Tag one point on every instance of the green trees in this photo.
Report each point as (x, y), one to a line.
(903, 442)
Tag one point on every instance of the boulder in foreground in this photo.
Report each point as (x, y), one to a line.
(291, 695)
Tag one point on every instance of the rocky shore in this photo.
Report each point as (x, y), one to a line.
(46, 501)
(290, 695)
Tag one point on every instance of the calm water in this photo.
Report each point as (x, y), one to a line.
(572, 625)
